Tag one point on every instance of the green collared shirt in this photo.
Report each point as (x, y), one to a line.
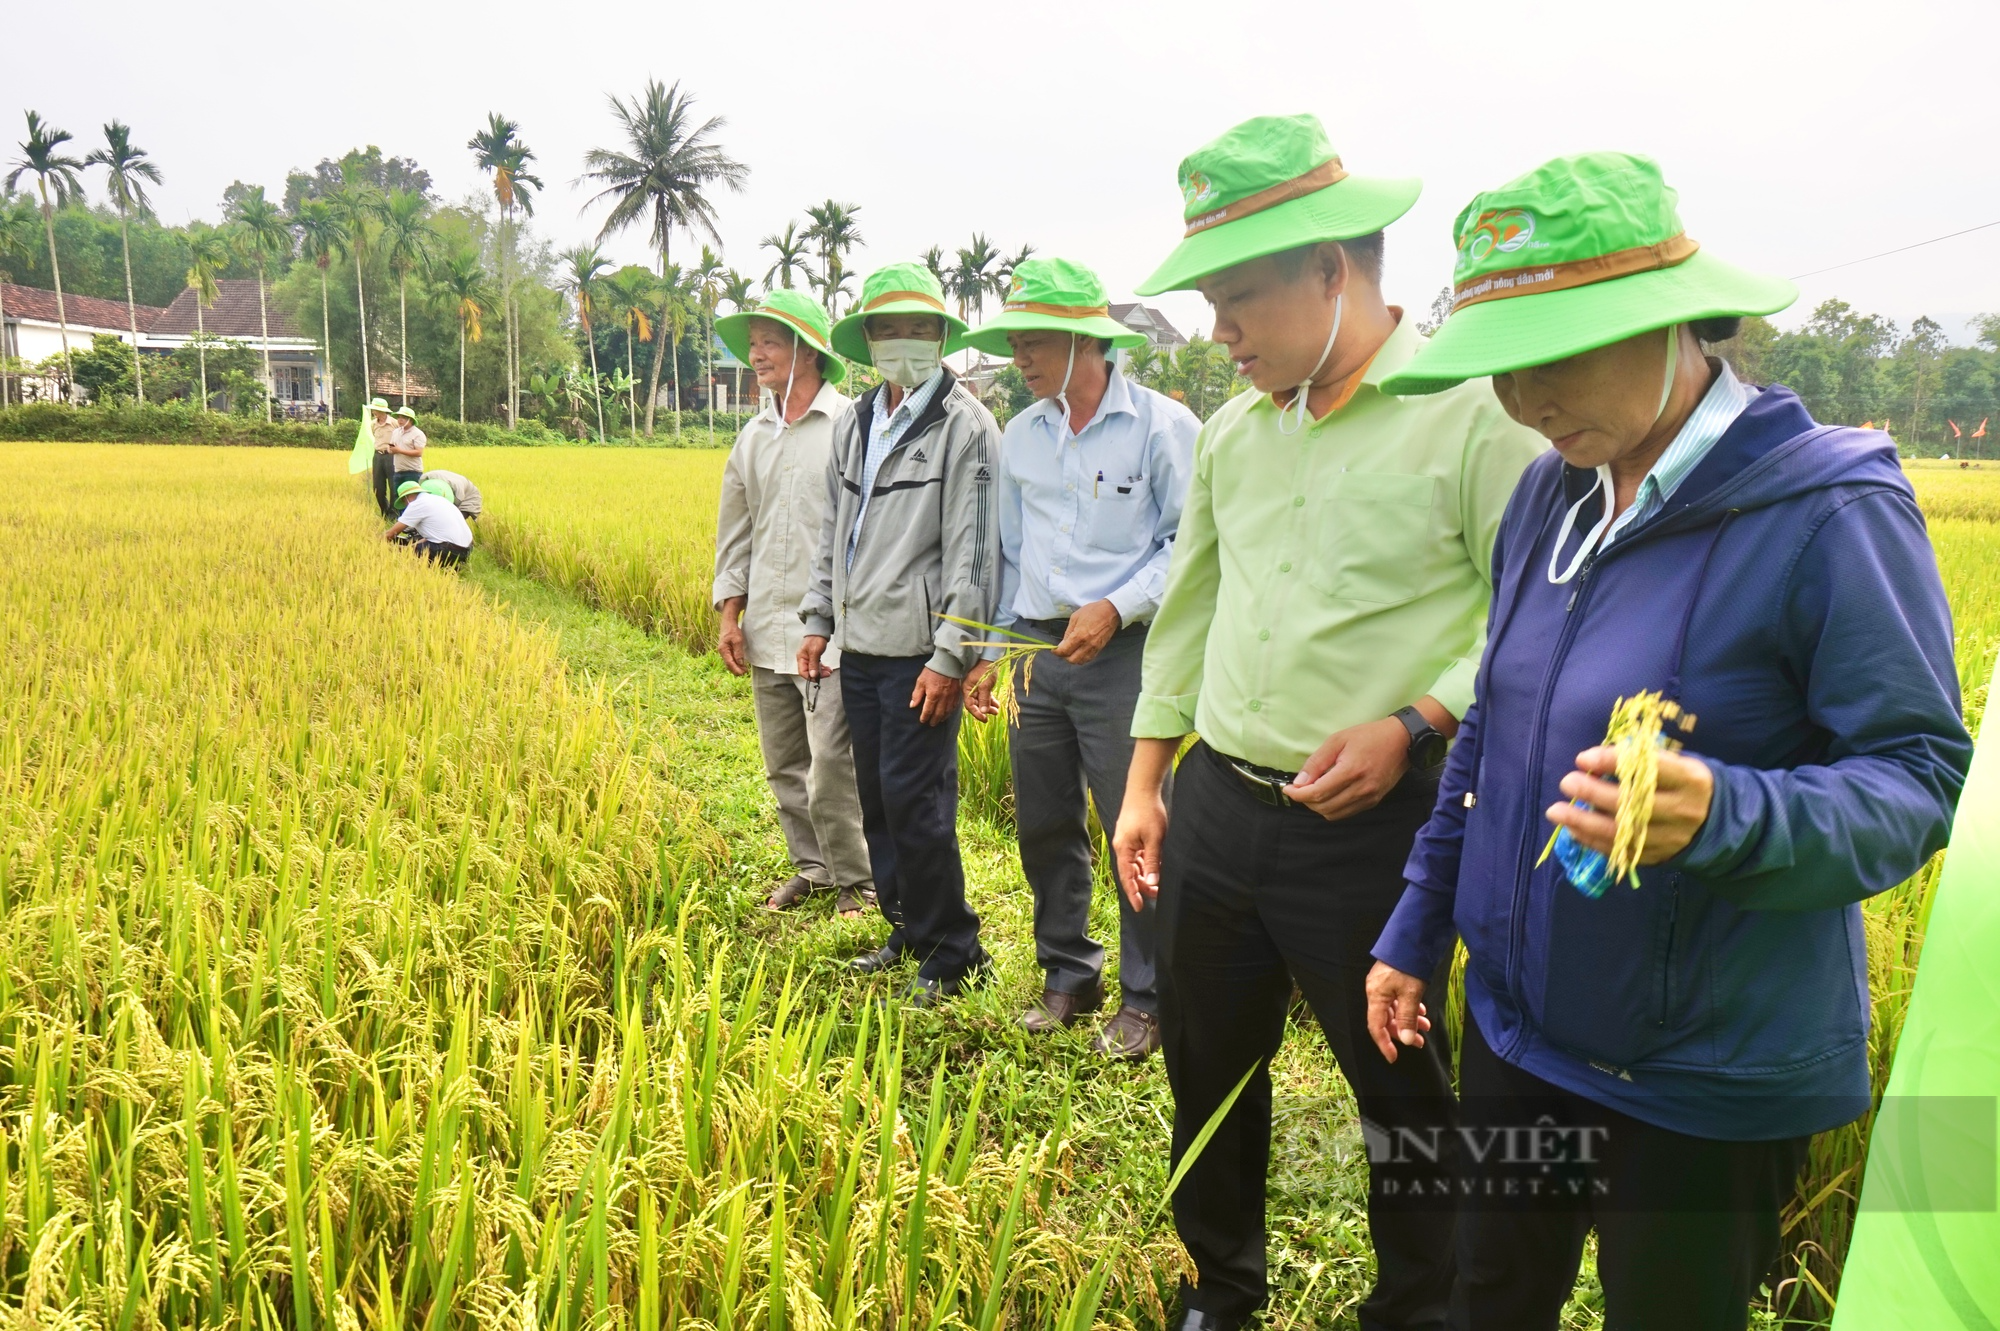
(1330, 577)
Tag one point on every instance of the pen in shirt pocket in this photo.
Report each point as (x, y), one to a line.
(1094, 484)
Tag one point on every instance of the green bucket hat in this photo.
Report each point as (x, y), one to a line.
(1057, 295)
(900, 288)
(1271, 184)
(379, 404)
(407, 413)
(408, 489)
(438, 488)
(800, 313)
(1577, 254)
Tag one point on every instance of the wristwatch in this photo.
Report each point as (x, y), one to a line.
(1427, 742)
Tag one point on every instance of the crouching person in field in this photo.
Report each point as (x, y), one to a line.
(910, 535)
(463, 494)
(436, 530)
(766, 534)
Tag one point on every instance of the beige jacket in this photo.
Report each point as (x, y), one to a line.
(768, 526)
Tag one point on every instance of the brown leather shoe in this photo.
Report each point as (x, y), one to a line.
(1130, 1034)
(1056, 1008)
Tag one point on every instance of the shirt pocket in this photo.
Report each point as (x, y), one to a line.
(1121, 516)
(1371, 539)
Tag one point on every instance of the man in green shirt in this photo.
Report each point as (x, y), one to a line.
(1322, 621)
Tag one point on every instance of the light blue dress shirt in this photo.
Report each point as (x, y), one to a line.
(1719, 407)
(884, 434)
(1091, 516)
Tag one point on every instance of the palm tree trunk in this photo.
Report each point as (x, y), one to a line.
(201, 347)
(55, 270)
(631, 387)
(653, 372)
(264, 321)
(596, 384)
(507, 308)
(708, 345)
(3, 347)
(674, 349)
(131, 307)
(361, 318)
(461, 369)
(326, 343)
(403, 304)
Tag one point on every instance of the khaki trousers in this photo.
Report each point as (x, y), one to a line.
(809, 762)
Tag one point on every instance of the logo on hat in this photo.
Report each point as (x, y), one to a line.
(1015, 288)
(1507, 231)
(1197, 188)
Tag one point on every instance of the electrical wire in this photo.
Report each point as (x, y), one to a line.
(1898, 250)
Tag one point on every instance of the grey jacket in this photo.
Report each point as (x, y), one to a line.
(931, 542)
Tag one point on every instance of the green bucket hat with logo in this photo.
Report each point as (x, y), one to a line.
(800, 313)
(1271, 184)
(407, 413)
(1056, 295)
(380, 404)
(407, 490)
(1577, 254)
(901, 288)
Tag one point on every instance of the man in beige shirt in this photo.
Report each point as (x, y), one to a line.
(382, 478)
(767, 532)
(406, 446)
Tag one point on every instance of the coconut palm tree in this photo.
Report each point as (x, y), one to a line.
(633, 295)
(209, 252)
(791, 249)
(265, 237)
(705, 285)
(829, 293)
(833, 229)
(320, 238)
(676, 313)
(662, 178)
(736, 290)
(460, 276)
(934, 260)
(17, 241)
(499, 150)
(584, 266)
(407, 231)
(972, 276)
(129, 169)
(1007, 266)
(356, 205)
(54, 172)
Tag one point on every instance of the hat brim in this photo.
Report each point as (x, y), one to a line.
(734, 330)
(1513, 333)
(991, 336)
(1355, 206)
(850, 339)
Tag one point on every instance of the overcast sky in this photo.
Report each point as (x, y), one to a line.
(1799, 134)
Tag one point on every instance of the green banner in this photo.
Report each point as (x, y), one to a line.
(1926, 1250)
(363, 456)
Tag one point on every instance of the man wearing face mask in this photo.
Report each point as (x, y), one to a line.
(909, 542)
(1322, 620)
(1091, 483)
(767, 532)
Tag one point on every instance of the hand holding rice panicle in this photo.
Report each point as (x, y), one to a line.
(1638, 733)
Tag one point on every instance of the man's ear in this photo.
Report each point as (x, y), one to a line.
(1335, 264)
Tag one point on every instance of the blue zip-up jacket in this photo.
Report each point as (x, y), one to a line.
(1787, 595)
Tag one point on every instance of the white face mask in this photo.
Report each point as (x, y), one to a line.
(906, 361)
(1596, 534)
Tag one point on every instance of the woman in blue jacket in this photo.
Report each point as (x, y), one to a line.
(1671, 1046)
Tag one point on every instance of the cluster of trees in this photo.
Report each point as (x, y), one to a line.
(1852, 368)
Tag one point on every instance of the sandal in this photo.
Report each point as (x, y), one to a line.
(853, 902)
(790, 894)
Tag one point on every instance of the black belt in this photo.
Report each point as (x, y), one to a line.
(1265, 784)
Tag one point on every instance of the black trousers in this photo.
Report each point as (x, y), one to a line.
(1252, 899)
(383, 478)
(442, 552)
(908, 777)
(1686, 1226)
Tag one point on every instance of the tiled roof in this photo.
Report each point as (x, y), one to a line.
(389, 383)
(1148, 320)
(234, 314)
(81, 311)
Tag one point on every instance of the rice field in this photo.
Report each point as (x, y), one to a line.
(376, 950)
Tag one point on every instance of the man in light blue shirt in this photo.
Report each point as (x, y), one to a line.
(1091, 482)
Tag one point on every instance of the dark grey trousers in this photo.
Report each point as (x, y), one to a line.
(1075, 733)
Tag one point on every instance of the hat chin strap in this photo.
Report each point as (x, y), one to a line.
(1299, 397)
(1062, 394)
(1596, 534)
